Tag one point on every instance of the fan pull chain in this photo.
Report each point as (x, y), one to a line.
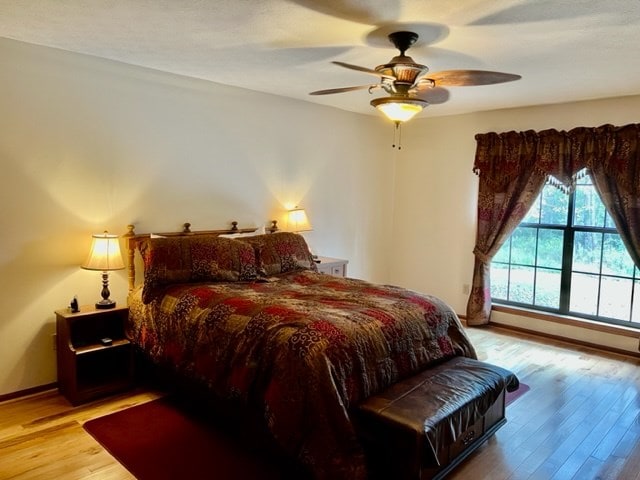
(397, 133)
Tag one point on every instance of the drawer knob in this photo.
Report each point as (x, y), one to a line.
(469, 437)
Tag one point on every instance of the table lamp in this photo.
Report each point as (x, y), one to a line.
(104, 256)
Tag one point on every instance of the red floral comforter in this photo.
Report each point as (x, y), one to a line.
(304, 348)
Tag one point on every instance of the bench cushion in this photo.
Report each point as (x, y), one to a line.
(432, 417)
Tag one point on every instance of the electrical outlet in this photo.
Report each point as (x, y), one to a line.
(466, 289)
(54, 339)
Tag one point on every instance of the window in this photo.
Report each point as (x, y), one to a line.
(567, 257)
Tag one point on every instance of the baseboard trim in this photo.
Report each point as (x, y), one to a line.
(28, 391)
(620, 330)
(559, 338)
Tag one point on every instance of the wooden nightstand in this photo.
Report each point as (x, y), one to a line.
(87, 368)
(332, 266)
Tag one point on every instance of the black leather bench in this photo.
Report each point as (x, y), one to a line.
(422, 427)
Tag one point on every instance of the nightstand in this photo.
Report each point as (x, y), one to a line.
(87, 367)
(332, 266)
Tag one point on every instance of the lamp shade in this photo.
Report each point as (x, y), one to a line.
(104, 254)
(297, 220)
(399, 109)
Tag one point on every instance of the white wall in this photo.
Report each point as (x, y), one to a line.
(89, 144)
(435, 216)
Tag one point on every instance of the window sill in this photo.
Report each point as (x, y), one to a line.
(567, 320)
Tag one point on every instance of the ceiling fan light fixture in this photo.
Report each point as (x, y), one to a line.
(399, 109)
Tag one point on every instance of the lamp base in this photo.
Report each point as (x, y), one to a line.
(105, 304)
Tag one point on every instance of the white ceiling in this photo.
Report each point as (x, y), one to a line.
(565, 50)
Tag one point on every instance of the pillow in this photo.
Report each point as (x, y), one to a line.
(258, 231)
(281, 252)
(197, 258)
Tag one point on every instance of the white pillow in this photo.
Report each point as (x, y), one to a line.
(259, 231)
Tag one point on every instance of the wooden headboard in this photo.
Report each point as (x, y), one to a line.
(133, 239)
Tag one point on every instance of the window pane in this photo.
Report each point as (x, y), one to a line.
(615, 297)
(608, 223)
(615, 258)
(584, 294)
(550, 248)
(635, 314)
(499, 281)
(523, 246)
(521, 284)
(533, 215)
(555, 204)
(528, 268)
(586, 252)
(503, 253)
(583, 178)
(589, 210)
(547, 288)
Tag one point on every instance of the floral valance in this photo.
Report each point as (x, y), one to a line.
(502, 157)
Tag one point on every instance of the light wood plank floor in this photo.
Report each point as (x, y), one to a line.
(581, 420)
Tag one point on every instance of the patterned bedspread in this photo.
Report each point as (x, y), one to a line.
(303, 347)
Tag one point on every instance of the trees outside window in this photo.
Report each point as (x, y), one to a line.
(567, 257)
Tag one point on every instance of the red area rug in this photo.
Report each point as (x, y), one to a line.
(166, 440)
(513, 396)
(163, 440)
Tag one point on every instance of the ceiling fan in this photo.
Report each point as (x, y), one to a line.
(410, 85)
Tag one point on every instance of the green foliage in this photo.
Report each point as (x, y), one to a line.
(527, 269)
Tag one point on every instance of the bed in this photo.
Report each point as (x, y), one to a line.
(251, 320)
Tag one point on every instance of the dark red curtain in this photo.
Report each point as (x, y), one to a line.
(513, 167)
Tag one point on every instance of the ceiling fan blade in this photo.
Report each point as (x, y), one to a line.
(468, 78)
(364, 69)
(329, 91)
(435, 95)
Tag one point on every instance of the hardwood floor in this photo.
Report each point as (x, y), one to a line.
(41, 437)
(580, 420)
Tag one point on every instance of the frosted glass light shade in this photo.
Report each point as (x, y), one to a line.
(105, 256)
(398, 109)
